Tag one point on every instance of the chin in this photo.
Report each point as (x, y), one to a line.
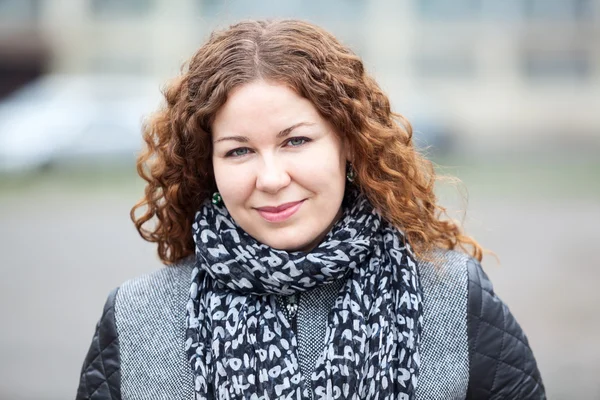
(287, 245)
(289, 241)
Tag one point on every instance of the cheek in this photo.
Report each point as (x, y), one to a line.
(325, 168)
(234, 183)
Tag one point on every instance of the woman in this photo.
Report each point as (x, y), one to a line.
(282, 184)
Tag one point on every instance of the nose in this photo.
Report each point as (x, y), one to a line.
(272, 176)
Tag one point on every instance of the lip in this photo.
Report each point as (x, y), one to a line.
(281, 212)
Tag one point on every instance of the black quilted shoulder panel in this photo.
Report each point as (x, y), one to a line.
(100, 374)
(501, 363)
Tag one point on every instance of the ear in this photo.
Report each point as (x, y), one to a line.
(348, 152)
(350, 156)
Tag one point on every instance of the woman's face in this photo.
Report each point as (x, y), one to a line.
(279, 166)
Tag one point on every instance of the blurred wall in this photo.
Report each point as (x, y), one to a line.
(500, 73)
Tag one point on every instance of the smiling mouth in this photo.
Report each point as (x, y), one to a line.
(281, 212)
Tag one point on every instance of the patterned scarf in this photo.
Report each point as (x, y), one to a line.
(239, 343)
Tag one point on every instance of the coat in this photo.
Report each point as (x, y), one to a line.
(472, 347)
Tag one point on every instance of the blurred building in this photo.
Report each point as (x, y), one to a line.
(499, 73)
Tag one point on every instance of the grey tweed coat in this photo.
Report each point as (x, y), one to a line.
(472, 346)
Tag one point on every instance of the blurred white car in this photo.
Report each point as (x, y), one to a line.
(62, 117)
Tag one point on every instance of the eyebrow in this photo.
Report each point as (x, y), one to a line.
(281, 134)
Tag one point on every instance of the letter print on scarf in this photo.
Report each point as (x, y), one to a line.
(240, 345)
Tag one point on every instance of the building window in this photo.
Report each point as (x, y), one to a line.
(19, 10)
(505, 10)
(340, 10)
(116, 64)
(121, 8)
(556, 65)
(445, 63)
(343, 18)
(558, 9)
(448, 9)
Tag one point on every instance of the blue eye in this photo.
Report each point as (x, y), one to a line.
(242, 151)
(297, 141)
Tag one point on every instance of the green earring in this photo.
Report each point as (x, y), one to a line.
(217, 200)
(350, 175)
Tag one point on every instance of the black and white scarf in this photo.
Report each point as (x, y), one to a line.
(239, 343)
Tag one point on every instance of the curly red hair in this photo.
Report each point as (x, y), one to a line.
(177, 159)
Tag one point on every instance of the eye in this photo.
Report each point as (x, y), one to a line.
(239, 152)
(297, 141)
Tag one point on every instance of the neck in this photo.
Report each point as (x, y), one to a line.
(311, 246)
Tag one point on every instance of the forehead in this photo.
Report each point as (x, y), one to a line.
(262, 106)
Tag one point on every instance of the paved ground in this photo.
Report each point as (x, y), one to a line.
(64, 246)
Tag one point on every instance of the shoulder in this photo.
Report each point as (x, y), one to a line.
(445, 273)
(445, 278)
(468, 326)
(150, 309)
(148, 293)
(156, 285)
(100, 377)
(145, 326)
(444, 344)
(502, 363)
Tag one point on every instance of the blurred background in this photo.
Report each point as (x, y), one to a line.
(505, 95)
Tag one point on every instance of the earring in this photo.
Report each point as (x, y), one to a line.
(217, 200)
(350, 174)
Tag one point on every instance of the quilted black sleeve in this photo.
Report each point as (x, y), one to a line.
(501, 363)
(100, 374)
